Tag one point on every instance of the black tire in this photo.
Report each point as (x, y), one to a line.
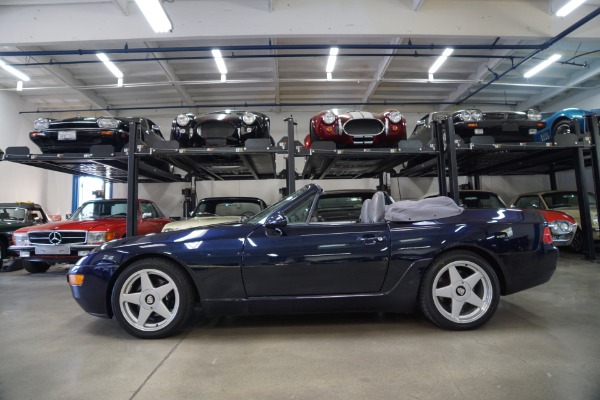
(561, 127)
(3, 250)
(35, 267)
(159, 292)
(577, 242)
(459, 291)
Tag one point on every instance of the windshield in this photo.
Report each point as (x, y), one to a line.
(261, 216)
(566, 199)
(101, 209)
(12, 214)
(226, 207)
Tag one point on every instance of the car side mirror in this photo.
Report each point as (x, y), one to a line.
(276, 222)
(68, 216)
(146, 215)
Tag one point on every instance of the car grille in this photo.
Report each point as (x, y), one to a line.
(57, 237)
(215, 132)
(363, 127)
(500, 115)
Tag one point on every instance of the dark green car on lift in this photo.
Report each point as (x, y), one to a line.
(14, 216)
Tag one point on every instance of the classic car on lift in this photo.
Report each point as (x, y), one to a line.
(562, 200)
(220, 128)
(79, 134)
(561, 122)
(451, 263)
(14, 216)
(503, 126)
(219, 210)
(561, 224)
(94, 223)
(357, 129)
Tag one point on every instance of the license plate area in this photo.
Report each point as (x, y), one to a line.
(67, 135)
(54, 250)
(510, 127)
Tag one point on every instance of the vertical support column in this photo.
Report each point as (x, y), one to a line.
(132, 179)
(438, 134)
(291, 160)
(595, 137)
(552, 174)
(477, 182)
(452, 162)
(584, 205)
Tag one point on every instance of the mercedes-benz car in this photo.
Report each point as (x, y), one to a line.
(360, 129)
(93, 223)
(453, 266)
(220, 128)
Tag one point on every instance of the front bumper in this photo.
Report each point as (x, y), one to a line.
(509, 131)
(53, 254)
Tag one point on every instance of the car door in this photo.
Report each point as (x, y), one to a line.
(151, 221)
(315, 258)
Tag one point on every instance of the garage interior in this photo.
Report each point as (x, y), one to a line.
(542, 343)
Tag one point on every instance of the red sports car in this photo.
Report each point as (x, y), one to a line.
(92, 224)
(357, 128)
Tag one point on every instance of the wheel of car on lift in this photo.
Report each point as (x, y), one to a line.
(459, 291)
(153, 298)
(561, 127)
(577, 242)
(36, 267)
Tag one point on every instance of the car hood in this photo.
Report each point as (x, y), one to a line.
(199, 221)
(554, 215)
(100, 224)
(574, 212)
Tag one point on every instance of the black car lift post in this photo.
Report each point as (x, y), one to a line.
(291, 161)
(595, 155)
(132, 180)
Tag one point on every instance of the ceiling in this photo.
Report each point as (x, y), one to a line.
(276, 52)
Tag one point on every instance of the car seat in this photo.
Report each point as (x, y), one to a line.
(376, 210)
(364, 211)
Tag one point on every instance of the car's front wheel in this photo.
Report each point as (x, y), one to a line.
(153, 298)
(577, 242)
(562, 127)
(459, 291)
(35, 267)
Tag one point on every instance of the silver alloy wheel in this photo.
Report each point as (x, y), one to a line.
(149, 300)
(462, 292)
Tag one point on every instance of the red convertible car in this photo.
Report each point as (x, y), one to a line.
(357, 129)
(92, 224)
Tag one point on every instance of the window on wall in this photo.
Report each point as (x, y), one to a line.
(86, 188)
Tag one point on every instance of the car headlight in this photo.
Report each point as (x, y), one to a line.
(471, 115)
(328, 117)
(21, 239)
(534, 115)
(41, 123)
(249, 118)
(561, 227)
(595, 220)
(108, 123)
(395, 116)
(100, 237)
(183, 119)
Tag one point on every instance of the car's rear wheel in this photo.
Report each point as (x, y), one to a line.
(152, 299)
(459, 291)
(35, 267)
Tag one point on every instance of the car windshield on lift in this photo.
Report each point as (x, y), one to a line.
(566, 199)
(226, 207)
(101, 209)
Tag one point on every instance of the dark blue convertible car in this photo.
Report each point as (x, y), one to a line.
(452, 265)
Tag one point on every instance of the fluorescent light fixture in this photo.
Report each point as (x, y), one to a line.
(542, 65)
(223, 77)
(109, 64)
(19, 86)
(155, 15)
(14, 71)
(430, 77)
(329, 76)
(119, 82)
(333, 52)
(567, 8)
(219, 60)
(438, 63)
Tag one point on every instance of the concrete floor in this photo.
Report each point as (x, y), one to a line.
(543, 343)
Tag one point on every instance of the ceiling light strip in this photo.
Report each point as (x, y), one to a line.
(441, 59)
(219, 61)
(544, 64)
(14, 71)
(569, 7)
(333, 52)
(155, 15)
(110, 65)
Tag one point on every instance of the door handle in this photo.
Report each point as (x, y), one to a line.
(369, 240)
